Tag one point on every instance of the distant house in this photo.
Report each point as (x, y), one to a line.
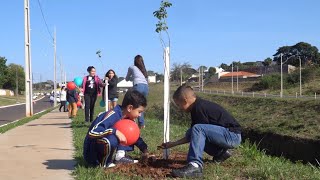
(125, 84)
(227, 76)
(195, 77)
(241, 75)
(152, 79)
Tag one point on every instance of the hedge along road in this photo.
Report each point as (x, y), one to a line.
(16, 112)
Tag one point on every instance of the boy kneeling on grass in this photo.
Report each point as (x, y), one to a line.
(213, 130)
(102, 139)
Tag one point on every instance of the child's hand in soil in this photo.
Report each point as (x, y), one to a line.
(146, 158)
(167, 145)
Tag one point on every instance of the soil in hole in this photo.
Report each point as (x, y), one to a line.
(155, 168)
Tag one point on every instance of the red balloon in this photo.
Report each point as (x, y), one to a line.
(79, 103)
(71, 85)
(129, 129)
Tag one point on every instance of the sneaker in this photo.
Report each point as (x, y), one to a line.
(126, 160)
(187, 171)
(224, 156)
(111, 165)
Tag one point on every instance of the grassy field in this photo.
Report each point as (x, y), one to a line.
(308, 89)
(8, 100)
(246, 163)
(293, 117)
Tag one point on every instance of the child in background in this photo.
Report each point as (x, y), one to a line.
(72, 98)
(102, 139)
(51, 99)
(213, 130)
(63, 99)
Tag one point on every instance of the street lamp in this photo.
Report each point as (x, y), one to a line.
(237, 78)
(281, 91)
(232, 78)
(300, 76)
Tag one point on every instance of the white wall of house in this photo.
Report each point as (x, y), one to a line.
(152, 79)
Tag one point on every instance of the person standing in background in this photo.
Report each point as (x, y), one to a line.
(63, 99)
(91, 88)
(72, 98)
(112, 80)
(139, 75)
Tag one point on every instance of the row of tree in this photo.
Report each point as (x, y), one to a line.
(11, 75)
(291, 55)
(186, 71)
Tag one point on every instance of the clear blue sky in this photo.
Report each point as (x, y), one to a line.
(206, 32)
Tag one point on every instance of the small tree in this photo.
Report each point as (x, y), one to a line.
(162, 26)
(212, 71)
(224, 66)
(267, 62)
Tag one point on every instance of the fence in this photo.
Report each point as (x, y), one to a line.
(255, 94)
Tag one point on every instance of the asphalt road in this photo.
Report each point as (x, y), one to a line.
(13, 113)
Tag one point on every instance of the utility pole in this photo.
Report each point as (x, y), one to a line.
(202, 78)
(65, 78)
(199, 78)
(17, 84)
(61, 71)
(54, 68)
(181, 76)
(232, 78)
(40, 84)
(237, 78)
(300, 77)
(281, 91)
(27, 55)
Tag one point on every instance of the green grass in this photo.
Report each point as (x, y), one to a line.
(247, 161)
(292, 117)
(23, 121)
(9, 100)
(286, 117)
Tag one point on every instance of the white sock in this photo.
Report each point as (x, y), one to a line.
(120, 154)
(194, 164)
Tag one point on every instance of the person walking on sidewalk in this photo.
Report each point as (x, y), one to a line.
(72, 98)
(139, 75)
(91, 88)
(63, 99)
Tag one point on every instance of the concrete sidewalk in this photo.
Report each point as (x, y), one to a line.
(41, 149)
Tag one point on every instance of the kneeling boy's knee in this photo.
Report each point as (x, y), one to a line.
(197, 127)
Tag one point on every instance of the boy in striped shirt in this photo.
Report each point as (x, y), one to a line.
(102, 138)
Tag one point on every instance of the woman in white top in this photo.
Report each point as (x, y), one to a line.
(63, 99)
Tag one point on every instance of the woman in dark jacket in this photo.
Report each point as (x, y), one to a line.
(112, 80)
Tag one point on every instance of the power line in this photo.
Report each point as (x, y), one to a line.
(44, 19)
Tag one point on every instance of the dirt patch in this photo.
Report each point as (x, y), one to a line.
(155, 168)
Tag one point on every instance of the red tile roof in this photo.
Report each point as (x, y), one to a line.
(240, 73)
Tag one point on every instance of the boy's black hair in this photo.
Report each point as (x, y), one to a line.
(134, 98)
(179, 94)
(90, 68)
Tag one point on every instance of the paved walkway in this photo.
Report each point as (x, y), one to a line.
(41, 149)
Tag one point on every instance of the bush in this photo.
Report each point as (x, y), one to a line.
(307, 75)
(272, 81)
